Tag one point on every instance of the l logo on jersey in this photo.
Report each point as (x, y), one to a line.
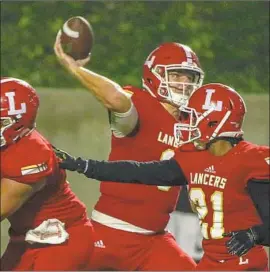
(267, 160)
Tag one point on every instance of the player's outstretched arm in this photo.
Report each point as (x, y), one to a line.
(159, 173)
(105, 90)
(14, 194)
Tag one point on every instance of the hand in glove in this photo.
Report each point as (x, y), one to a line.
(241, 241)
(69, 162)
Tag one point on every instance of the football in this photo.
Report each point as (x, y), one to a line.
(77, 37)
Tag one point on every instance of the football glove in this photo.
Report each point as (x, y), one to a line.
(69, 162)
(241, 241)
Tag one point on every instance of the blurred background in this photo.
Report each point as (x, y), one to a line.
(230, 38)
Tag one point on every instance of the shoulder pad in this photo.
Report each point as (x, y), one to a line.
(133, 90)
(258, 161)
(29, 160)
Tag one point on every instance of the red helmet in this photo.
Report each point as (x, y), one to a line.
(166, 58)
(214, 110)
(19, 105)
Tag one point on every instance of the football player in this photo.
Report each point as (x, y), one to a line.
(49, 225)
(142, 122)
(227, 177)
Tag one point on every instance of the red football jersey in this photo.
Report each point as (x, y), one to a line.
(27, 161)
(218, 190)
(144, 206)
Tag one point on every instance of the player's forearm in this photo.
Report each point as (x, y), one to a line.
(262, 232)
(14, 194)
(9, 206)
(159, 173)
(259, 192)
(105, 90)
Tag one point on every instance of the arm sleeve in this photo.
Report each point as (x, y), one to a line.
(124, 124)
(161, 173)
(259, 191)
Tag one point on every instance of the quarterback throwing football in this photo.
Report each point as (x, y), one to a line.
(142, 121)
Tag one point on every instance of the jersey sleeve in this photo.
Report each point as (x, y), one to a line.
(30, 164)
(185, 161)
(259, 164)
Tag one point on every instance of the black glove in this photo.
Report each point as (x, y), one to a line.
(241, 241)
(69, 162)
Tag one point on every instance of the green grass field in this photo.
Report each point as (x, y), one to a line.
(75, 122)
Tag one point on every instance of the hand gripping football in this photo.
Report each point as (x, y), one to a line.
(77, 37)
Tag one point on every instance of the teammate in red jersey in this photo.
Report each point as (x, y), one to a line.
(49, 226)
(142, 122)
(228, 178)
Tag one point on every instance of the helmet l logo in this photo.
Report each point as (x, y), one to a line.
(12, 110)
(208, 104)
(150, 62)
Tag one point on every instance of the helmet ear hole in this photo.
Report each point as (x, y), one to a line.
(212, 123)
(149, 80)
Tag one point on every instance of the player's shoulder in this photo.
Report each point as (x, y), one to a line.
(29, 159)
(131, 90)
(186, 153)
(253, 150)
(255, 159)
(34, 146)
(138, 94)
(143, 101)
